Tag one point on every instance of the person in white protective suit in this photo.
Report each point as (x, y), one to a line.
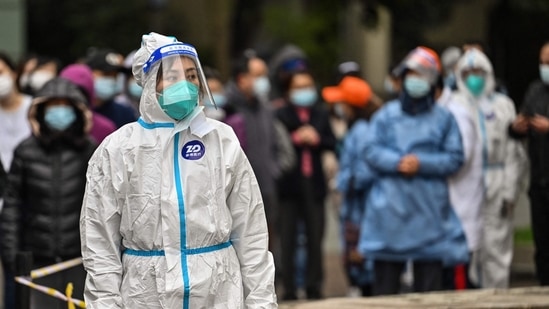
(172, 215)
(488, 225)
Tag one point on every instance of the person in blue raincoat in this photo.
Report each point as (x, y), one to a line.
(413, 145)
(172, 216)
(351, 102)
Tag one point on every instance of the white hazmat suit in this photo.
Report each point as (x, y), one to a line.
(172, 215)
(503, 160)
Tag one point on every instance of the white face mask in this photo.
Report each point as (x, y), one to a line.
(6, 85)
(262, 86)
(38, 79)
(544, 73)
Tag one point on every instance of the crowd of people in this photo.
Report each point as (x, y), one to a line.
(180, 187)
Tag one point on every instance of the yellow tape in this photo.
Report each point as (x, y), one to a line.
(50, 291)
(68, 293)
(48, 270)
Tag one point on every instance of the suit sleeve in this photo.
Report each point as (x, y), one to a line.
(378, 151)
(515, 163)
(250, 238)
(100, 235)
(449, 158)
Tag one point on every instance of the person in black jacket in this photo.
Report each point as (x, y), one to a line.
(533, 123)
(302, 190)
(45, 188)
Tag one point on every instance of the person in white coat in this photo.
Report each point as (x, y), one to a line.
(485, 190)
(172, 216)
(467, 185)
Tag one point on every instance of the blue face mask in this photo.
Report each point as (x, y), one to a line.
(59, 117)
(304, 97)
(106, 87)
(134, 89)
(179, 99)
(416, 87)
(544, 73)
(219, 99)
(262, 86)
(475, 83)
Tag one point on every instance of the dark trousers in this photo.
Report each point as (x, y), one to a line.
(427, 276)
(539, 209)
(311, 210)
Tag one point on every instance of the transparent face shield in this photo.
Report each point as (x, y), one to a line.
(180, 81)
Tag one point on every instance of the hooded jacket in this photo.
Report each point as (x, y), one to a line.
(497, 111)
(82, 76)
(503, 162)
(172, 215)
(46, 183)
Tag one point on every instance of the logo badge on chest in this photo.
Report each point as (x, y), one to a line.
(193, 150)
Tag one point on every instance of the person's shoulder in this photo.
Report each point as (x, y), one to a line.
(389, 109)
(502, 99)
(27, 101)
(538, 85)
(103, 122)
(228, 139)
(30, 141)
(223, 129)
(27, 147)
(358, 130)
(360, 125)
(120, 136)
(442, 113)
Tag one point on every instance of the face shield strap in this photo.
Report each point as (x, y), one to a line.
(169, 50)
(179, 49)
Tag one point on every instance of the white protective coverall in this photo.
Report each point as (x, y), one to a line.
(172, 215)
(504, 159)
(466, 187)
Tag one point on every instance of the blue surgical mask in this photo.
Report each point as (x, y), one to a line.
(262, 86)
(416, 87)
(475, 83)
(179, 99)
(59, 117)
(219, 99)
(106, 87)
(304, 97)
(544, 73)
(134, 89)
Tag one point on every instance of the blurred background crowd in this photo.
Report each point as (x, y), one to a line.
(425, 192)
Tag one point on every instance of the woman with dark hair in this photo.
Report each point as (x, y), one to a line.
(302, 189)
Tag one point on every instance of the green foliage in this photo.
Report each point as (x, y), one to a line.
(67, 28)
(412, 18)
(523, 236)
(314, 29)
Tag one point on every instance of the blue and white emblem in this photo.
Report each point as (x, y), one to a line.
(193, 150)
